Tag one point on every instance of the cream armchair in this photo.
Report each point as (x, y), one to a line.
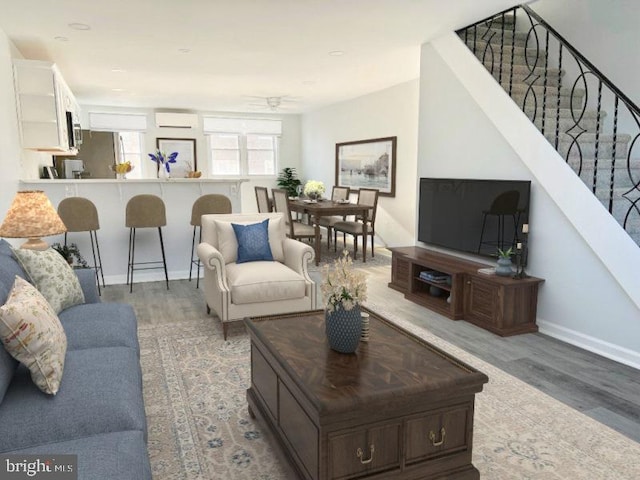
(238, 290)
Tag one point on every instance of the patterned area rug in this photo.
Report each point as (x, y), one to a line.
(199, 428)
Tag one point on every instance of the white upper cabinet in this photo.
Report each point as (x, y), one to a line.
(44, 102)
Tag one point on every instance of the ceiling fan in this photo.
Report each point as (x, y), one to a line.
(274, 103)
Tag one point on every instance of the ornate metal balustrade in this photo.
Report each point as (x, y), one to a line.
(568, 98)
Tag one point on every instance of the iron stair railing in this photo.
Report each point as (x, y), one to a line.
(532, 61)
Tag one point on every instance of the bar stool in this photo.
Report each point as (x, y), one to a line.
(144, 211)
(204, 205)
(80, 215)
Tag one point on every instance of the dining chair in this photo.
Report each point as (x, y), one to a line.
(296, 229)
(338, 194)
(262, 197)
(366, 197)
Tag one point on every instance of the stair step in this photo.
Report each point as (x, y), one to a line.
(621, 178)
(523, 70)
(604, 164)
(565, 113)
(530, 100)
(519, 52)
(498, 35)
(584, 146)
(566, 123)
(553, 79)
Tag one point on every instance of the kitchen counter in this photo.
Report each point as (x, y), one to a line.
(111, 196)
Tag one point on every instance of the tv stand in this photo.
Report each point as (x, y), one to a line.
(453, 287)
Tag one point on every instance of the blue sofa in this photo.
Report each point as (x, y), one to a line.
(98, 412)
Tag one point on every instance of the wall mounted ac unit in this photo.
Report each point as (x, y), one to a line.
(176, 120)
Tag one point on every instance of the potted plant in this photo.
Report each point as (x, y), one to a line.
(289, 181)
(69, 253)
(504, 262)
(343, 289)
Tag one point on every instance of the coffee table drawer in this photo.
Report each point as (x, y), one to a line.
(437, 433)
(265, 381)
(367, 450)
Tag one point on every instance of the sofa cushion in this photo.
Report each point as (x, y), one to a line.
(100, 392)
(100, 325)
(253, 242)
(228, 244)
(52, 275)
(263, 282)
(121, 455)
(31, 333)
(8, 365)
(9, 268)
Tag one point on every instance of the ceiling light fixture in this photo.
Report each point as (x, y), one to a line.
(336, 53)
(118, 70)
(79, 26)
(117, 89)
(184, 50)
(61, 39)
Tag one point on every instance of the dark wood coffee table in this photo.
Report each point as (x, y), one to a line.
(399, 408)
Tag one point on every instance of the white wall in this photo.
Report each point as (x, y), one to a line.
(10, 159)
(387, 113)
(289, 144)
(469, 127)
(606, 33)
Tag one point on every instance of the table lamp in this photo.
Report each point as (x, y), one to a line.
(32, 216)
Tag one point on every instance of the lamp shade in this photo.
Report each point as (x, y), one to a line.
(31, 216)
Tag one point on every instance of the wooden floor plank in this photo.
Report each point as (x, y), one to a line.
(601, 388)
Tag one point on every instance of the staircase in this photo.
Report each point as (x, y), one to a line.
(594, 127)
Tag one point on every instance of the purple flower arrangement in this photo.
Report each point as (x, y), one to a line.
(163, 159)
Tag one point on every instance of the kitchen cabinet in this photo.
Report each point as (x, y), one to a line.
(44, 103)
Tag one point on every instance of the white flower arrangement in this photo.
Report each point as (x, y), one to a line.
(314, 188)
(342, 285)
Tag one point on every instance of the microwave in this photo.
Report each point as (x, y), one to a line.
(74, 130)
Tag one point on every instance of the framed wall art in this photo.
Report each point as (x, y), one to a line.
(186, 160)
(367, 164)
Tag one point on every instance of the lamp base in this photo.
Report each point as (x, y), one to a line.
(35, 244)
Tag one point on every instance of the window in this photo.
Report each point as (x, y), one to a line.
(225, 153)
(261, 154)
(243, 147)
(129, 149)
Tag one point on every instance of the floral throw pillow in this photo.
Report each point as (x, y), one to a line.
(52, 276)
(31, 332)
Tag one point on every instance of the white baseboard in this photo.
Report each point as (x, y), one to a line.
(592, 344)
(157, 276)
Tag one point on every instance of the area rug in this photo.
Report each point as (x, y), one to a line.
(199, 427)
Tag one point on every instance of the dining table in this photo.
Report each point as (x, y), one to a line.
(327, 208)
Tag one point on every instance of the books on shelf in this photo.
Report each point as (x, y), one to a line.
(434, 276)
(487, 271)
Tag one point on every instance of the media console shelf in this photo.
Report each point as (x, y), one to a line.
(502, 305)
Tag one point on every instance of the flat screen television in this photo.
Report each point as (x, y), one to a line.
(473, 216)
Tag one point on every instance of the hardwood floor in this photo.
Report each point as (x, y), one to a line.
(602, 389)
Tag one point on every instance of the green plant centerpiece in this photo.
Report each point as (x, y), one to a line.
(71, 253)
(504, 262)
(289, 181)
(343, 290)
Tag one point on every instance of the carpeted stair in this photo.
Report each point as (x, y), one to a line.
(580, 133)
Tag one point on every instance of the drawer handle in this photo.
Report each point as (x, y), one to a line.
(432, 437)
(360, 454)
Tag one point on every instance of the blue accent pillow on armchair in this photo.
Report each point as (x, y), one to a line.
(253, 242)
